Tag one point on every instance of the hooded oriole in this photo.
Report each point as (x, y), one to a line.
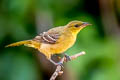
(56, 40)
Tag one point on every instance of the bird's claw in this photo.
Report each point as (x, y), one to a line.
(60, 64)
(68, 58)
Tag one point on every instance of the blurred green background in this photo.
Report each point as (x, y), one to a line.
(24, 19)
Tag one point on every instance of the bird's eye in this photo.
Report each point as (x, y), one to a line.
(76, 25)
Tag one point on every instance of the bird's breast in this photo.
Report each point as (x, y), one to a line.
(65, 42)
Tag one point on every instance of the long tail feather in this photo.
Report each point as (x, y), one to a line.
(20, 43)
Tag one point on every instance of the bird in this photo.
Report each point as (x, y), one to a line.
(56, 40)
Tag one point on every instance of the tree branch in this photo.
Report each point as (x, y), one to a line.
(58, 70)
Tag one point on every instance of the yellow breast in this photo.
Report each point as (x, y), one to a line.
(65, 42)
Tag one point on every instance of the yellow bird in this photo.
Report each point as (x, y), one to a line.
(56, 40)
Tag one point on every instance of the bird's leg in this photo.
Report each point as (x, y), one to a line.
(56, 64)
(68, 58)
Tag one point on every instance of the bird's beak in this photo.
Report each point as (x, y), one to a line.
(86, 24)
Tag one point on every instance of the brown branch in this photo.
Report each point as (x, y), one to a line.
(58, 70)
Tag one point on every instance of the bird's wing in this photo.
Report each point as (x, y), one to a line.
(49, 37)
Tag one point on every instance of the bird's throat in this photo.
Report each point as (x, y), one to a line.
(75, 31)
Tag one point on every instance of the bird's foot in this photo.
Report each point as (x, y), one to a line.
(56, 64)
(59, 64)
(68, 58)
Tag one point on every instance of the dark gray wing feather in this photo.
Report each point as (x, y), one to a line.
(48, 38)
(51, 36)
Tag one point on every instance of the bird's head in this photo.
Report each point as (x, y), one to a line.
(76, 26)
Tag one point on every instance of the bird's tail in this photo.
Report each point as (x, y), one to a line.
(28, 43)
